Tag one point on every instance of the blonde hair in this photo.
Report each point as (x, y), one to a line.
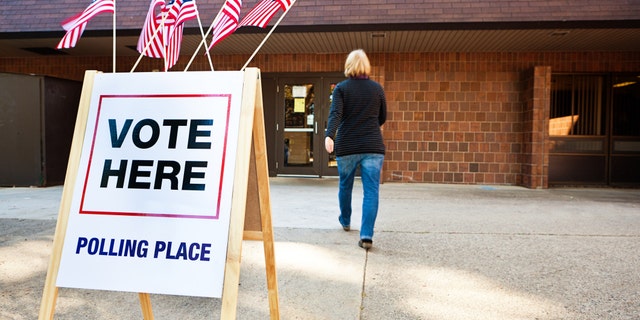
(357, 64)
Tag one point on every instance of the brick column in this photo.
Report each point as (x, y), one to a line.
(377, 74)
(535, 127)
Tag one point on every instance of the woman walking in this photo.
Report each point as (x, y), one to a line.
(358, 109)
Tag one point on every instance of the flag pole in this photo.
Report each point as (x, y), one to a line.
(199, 46)
(204, 40)
(165, 37)
(114, 36)
(268, 35)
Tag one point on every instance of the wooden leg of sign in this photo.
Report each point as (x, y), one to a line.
(264, 195)
(239, 198)
(251, 179)
(50, 292)
(145, 304)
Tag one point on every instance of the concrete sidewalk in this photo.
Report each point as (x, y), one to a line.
(440, 252)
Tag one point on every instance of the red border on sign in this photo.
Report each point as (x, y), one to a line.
(151, 214)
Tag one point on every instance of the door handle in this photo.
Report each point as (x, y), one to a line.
(315, 127)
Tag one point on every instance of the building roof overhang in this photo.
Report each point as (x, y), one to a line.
(32, 28)
(572, 36)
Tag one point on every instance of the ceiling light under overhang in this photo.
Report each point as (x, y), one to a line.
(559, 33)
(623, 84)
(378, 35)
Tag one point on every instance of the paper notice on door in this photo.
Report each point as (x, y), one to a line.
(298, 105)
(299, 91)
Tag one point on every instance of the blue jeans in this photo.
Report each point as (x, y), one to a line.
(370, 167)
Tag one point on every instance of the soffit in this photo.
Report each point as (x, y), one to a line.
(382, 41)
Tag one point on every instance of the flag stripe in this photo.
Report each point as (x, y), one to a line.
(75, 25)
(170, 27)
(180, 12)
(188, 11)
(150, 27)
(95, 8)
(173, 49)
(70, 38)
(285, 4)
(226, 22)
(223, 29)
(263, 12)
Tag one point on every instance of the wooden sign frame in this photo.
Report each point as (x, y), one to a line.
(250, 205)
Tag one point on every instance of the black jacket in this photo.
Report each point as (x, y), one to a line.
(358, 109)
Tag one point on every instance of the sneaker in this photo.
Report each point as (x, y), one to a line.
(365, 244)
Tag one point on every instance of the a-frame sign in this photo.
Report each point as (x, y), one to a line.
(167, 175)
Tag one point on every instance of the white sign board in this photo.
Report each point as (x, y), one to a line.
(151, 206)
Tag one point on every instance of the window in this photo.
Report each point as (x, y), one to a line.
(626, 106)
(577, 106)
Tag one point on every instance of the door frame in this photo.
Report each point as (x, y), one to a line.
(273, 97)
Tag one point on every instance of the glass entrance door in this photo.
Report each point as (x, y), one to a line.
(302, 114)
(299, 128)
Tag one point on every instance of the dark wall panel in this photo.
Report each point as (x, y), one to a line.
(625, 170)
(61, 99)
(577, 169)
(37, 118)
(20, 133)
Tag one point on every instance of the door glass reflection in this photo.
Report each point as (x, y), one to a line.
(332, 163)
(299, 125)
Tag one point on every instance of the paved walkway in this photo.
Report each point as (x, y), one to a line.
(440, 252)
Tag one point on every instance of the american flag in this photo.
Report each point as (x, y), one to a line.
(170, 41)
(76, 24)
(188, 11)
(179, 12)
(226, 22)
(262, 13)
(151, 37)
(173, 47)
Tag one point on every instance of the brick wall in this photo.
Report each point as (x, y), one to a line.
(461, 117)
(472, 118)
(454, 118)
